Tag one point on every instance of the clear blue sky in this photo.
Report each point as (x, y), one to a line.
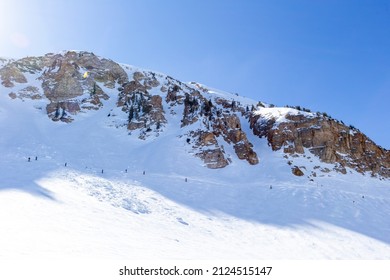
(327, 55)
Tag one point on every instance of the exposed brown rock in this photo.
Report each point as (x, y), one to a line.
(133, 86)
(245, 151)
(213, 158)
(229, 127)
(12, 95)
(157, 111)
(192, 106)
(63, 80)
(147, 79)
(172, 94)
(331, 141)
(207, 138)
(30, 92)
(10, 74)
(145, 113)
(62, 110)
(133, 125)
(208, 149)
(297, 171)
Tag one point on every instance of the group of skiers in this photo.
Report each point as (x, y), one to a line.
(29, 158)
(66, 164)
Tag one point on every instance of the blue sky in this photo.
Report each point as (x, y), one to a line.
(331, 56)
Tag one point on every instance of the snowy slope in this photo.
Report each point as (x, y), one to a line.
(94, 207)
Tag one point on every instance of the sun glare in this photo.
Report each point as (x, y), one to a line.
(12, 20)
(5, 20)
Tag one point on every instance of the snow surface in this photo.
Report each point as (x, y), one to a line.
(279, 113)
(92, 207)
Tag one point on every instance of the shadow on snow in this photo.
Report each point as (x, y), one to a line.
(284, 205)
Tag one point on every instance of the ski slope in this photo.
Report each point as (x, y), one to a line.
(102, 205)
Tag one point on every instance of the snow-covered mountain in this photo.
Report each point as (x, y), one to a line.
(106, 159)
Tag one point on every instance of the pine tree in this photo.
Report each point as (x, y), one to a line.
(207, 107)
(63, 115)
(57, 114)
(187, 99)
(131, 114)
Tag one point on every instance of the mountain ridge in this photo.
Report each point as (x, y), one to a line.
(71, 83)
(85, 180)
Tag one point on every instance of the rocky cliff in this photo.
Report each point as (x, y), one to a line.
(212, 125)
(62, 79)
(324, 137)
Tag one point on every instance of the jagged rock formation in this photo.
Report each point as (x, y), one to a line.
(208, 149)
(229, 127)
(330, 140)
(211, 125)
(65, 78)
(144, 110)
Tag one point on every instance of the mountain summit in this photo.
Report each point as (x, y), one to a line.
(214, 126)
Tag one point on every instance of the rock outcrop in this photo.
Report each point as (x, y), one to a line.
(70, 81)
(229, 127)
(208, 149)
(145, 111)
(297, 171)
(330, 140)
